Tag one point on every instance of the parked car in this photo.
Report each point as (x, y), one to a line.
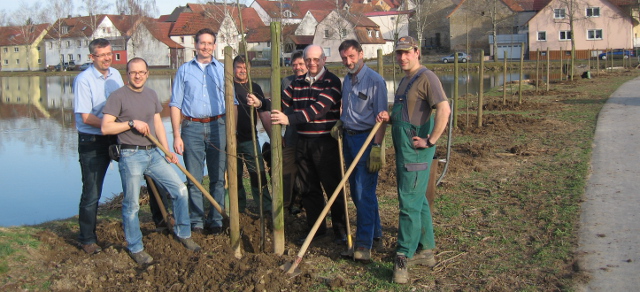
(84, 66)
(616, 54)
(66, 66)
(462, 58)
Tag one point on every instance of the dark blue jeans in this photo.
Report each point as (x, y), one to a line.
(93, 152)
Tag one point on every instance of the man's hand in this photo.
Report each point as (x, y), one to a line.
(279, 118)
(178, 145)
(382, 117)
(336, 131)
(421, 142)
(375, 161)
(254, 101)
(172, 158)
(141, 127)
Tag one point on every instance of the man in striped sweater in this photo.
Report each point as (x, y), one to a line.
(315, 99)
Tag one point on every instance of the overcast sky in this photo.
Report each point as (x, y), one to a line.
(164, 6)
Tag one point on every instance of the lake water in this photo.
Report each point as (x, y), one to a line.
(38, 143)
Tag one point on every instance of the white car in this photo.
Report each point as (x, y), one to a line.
(462, 58)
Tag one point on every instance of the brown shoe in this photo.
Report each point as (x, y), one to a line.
(423, 257)
(400, 269)
(91, 248)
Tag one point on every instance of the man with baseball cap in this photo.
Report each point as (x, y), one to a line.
(415, 132)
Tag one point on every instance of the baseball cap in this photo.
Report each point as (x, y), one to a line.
(406, 43)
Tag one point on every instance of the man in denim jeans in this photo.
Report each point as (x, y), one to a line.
(198, 121)
(91, 89)
(133, 112)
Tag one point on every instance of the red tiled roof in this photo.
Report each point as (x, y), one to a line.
(533, 5)
(261, 34)
(14, 35)
(362, 33)
(319, 15)
(216, 12)
(190, 23)
(126, 23)
(298, 8)
(160, 30)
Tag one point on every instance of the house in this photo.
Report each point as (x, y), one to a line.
(340, 25)
(21, 47)
(152, 43)
(221, 18)
(289, 11)
(597, 26)
(393, 24)
(68, 38)
(472, 22)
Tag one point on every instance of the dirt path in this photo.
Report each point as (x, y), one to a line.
(610, 219)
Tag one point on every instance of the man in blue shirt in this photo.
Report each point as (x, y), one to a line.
(90, 91)
(364, 95)
(198, 121)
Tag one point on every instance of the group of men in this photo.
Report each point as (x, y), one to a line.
(319, 111)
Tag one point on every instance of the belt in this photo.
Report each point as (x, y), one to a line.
(126, 146)
(355, 132)
(204, 120)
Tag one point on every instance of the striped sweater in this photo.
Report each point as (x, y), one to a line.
(316, 107)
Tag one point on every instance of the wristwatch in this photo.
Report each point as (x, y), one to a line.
(429, 144)
(131, 124)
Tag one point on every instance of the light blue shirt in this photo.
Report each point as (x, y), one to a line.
(363, 97)
(199, 93)
(90, 92)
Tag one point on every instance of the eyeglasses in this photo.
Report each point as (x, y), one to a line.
(134, 73)
(103, 55)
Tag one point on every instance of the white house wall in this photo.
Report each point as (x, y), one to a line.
(389, 24)
(307, 25)
(155, 52)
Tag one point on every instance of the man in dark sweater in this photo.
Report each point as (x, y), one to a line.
(315, 99)
(246, 153)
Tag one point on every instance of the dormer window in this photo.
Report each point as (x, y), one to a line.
(368, 33)
(377, 33)
(288, 14)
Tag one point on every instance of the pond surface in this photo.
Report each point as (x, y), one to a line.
(38, 143)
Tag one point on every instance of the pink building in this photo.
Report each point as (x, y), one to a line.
(598, 25)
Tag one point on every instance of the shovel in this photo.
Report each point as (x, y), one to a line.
(346, 208)
(292, 268)
(165, 216)
(191, 178)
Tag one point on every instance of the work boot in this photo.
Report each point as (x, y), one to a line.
(91, 248)
(400, 269)
(362, 254)
(423, 257)
(190, 244)
(142, 258)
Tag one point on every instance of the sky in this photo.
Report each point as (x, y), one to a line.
(164, 6)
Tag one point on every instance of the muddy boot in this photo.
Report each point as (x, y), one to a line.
(362, 254)
(189, 244)
(142, 258)
(400, 269)
(423, 257)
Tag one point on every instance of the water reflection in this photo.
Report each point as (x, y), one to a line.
(38, 143)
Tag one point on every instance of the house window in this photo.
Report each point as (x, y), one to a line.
(6, 62)
(16, 49)
(79, 43)
(542, 36)
(39, 61)
(377, 33)
(18, 61)
(593, 11)
(326, 33)
(565, 35)
(368, 33)
(117, 57)
(70, 57)
(327, 51)
(182, 40)
(79, 57)
(38, 48)
(68, 44)
(86, 43)
(5, 50)
(50, 45)
(65, 29)
(594, 34)
(343, 32)
(559, 13)
(287, 14)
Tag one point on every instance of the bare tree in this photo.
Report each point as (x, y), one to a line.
(4, 18)
(146, 8)
(499, 19)
(59, 10)
(93, 9)
(29, 19)
(138, 14)
(429, 14)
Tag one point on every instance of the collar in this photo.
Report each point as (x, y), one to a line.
(312, 80)
(99, 74)
(213, 62)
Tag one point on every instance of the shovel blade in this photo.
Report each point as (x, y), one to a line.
(295, 271)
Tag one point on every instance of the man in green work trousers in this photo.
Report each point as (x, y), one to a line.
(415, 132)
